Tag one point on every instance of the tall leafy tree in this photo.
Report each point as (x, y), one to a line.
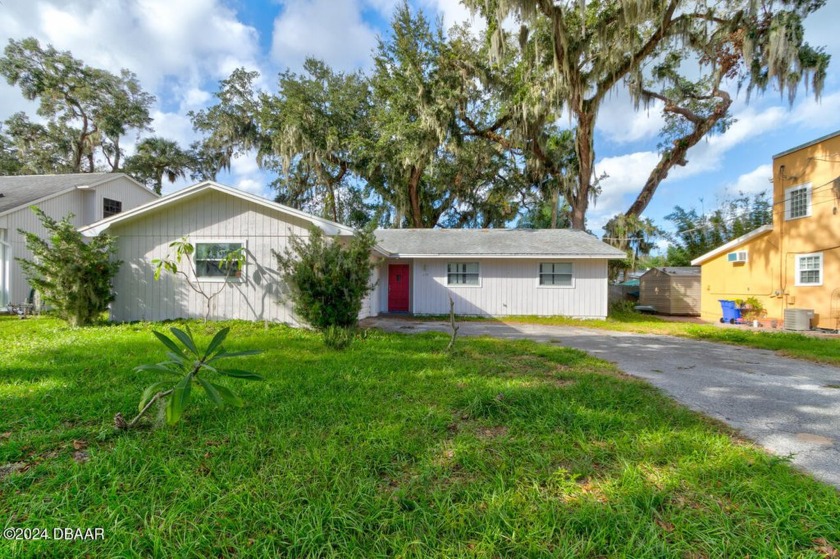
(91, 108)
(592, 48)
(317, 127)
(10, 163)
(698, 232)
(636, 236)
(426, 168)
(156, 159)
(341, 142)
(518, 118)
(230, 126)
(39, 149)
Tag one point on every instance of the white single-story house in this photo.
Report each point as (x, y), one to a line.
(486, 272)
(90, 197)
(493, 272)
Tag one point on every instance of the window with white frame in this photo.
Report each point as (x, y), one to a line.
(219, 260)
(798, 201)
(556, 274)
(462, 273)
(809, 269)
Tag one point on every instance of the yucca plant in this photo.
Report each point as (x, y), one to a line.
(193, 363)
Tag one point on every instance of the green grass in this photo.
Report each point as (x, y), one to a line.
(791, 344)
(392, 448)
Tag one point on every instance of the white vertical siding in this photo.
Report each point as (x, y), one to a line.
(121, 189)
(86, 205)
(4, 268)
(26, 219)
(370, 306)
(212, 215)
(510, 287)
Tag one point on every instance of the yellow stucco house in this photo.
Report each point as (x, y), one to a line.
(795, 261)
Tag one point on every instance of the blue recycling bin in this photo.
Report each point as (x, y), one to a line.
(731, 312)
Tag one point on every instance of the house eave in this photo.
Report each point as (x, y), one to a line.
(90, 186)
(755, 233)
(38, 201)
(508, 256)
(328, 227)
(807, 144)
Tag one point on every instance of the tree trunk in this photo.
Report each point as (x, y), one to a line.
(115, 165)
(676, 155)
(331, 184)
(414, 196)
(584, 135)
(555, 201)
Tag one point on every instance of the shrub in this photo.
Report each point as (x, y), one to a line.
(622, 307)
(72, 274)
(328, 280)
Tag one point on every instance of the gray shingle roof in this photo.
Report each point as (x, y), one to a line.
(681, 270)
(23, 190)
(494, 242)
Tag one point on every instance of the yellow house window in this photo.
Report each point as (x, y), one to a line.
(798, 201)
(809, 269)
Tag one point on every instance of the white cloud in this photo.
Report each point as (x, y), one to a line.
(454, 13)
(620, 123)
(626, 174)
(246, 175)
(757, 180)
(332, 30)
(174, 126)
(188, 39)
(825, 113)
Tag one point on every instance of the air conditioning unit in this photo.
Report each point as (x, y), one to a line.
(737, 256)
(798, 319)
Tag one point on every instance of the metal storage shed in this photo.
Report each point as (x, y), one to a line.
(671, 290)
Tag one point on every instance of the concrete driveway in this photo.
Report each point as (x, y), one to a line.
(786, 405)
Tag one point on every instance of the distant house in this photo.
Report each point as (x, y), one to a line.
(671, 290)
(486, 272)
(89, 196)
(795, 261)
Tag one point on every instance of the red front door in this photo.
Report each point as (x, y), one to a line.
(398, 288)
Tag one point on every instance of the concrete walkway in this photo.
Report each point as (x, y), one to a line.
(786, 405)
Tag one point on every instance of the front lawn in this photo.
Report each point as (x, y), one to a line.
(392, 448)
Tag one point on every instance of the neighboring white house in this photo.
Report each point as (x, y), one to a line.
(487, 272)
(89, 196)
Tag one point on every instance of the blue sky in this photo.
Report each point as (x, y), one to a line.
(180, 49)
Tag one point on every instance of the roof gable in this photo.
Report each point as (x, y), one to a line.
(675, 271)
(732, 244)
(22, 191)
(329, 227)
(488, 243)
(807, 144)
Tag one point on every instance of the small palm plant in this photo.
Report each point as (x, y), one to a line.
(192, 362)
